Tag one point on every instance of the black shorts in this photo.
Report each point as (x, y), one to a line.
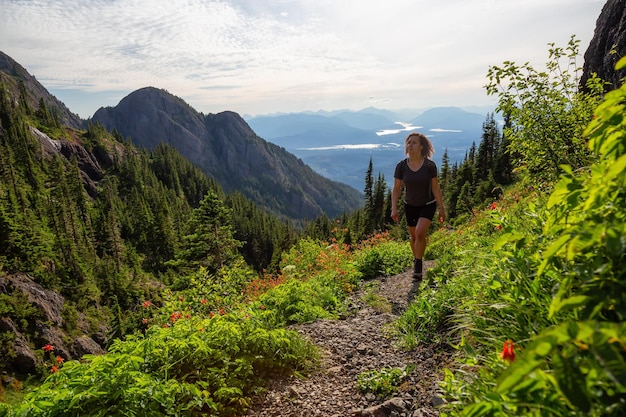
(413, 213)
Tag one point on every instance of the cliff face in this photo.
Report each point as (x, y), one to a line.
(607, 46)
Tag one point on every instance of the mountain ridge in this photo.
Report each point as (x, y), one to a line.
(225, 147)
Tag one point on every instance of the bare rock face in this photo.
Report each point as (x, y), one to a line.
(607, 46)
(23, 357)
(43, 325)
(91, 164)
(48, 302)
(84, 345)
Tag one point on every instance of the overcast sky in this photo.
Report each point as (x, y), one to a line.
(265, 56)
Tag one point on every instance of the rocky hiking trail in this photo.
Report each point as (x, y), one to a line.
(357, 343)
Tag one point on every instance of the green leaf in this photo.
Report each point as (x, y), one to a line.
(516, 373)
(478, 409)
(611, 359)
(571, 382)
(552, 249)
(617, 168)
(560, 305)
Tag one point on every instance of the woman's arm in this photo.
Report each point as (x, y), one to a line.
(439, 198)
(395, 196)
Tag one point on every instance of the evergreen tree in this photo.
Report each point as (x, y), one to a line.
(377, 214)
(209, 242)
(503, 170)
(487, 149)
(370, 221)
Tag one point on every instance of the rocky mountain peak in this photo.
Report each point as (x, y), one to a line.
(225, 147)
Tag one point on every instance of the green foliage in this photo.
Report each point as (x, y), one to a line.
(383, 258)
(374, 300)
(545, 271)
(547, 111)
(383, 382)
(298, 301)
(195, 367)
(479, 179)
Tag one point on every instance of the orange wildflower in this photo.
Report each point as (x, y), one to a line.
(59, 359)
(54, 369)
(508, 351)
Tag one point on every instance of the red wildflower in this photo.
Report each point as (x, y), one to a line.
(59, 359)
(508, 352)
(493, 205)
(146, 304)
(175, 316)
(144, 320)
(203, 301)
(48, 348)
(54, 369)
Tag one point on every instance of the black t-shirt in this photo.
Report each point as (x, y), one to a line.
(417, 184)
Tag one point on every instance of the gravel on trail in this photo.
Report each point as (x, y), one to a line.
(361, 342)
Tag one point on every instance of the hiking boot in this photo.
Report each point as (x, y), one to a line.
(417, 269)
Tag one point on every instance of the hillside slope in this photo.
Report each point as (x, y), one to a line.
(226, 148)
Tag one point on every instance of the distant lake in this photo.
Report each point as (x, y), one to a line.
(347, 163)
(343, 155)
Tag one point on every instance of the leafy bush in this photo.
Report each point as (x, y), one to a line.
(303, 301)
(194, 367)
(383, 382)
(384, 258)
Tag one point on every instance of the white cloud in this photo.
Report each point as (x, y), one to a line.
(262, 56)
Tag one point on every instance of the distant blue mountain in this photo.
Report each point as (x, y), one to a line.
(339, 144)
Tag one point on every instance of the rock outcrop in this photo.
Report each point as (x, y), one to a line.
(607, 46)
(39, 322)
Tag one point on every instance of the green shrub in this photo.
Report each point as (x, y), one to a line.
(384, 259)
(383, 382)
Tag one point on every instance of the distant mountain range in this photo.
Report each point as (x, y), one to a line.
(340, 144)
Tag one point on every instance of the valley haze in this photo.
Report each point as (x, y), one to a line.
(339, 145)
